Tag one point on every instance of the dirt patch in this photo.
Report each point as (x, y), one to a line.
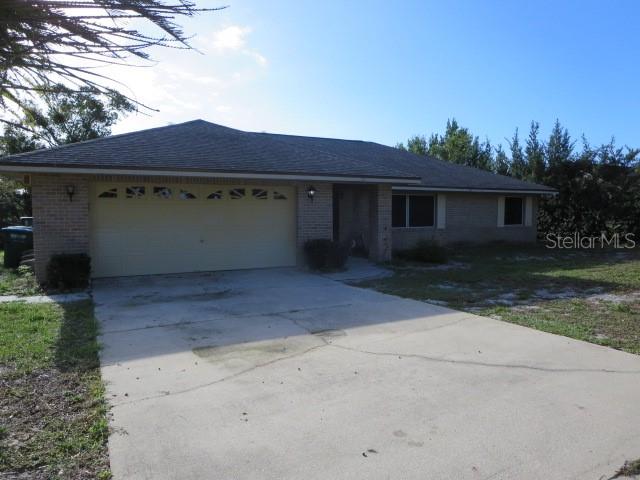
(546, 294)
(36, 409)
(631, 297)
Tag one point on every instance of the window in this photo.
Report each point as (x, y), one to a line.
(186, 195)
(513, 211)
(259, 193)
(399, 211)
(421, 211)
(236, 193)
(217, 195)
(135, 192)
(279, 196)
(413, 211)
(110, 193)
(162, 192)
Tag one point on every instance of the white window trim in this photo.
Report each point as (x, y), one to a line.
(407, 207)
(528, 219)
(441, 211)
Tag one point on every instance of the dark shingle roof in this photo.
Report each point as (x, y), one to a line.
(201, 146)
(433, 172)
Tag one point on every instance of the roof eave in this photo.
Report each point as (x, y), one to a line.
(476, 190)
(30, 169)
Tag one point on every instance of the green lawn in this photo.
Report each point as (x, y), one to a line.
(53, 422)
(17, 282)
(589, 295)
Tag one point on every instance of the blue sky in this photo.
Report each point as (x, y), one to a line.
(383, 71)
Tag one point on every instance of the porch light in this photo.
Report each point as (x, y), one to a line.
(71, 190)
(311, 192)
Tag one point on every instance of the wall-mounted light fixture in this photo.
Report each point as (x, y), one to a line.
(311, 192)
(71, 190)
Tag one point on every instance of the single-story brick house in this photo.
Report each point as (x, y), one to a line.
(199, 197)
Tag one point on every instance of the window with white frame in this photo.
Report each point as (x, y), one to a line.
(513, 211)
(413, 211)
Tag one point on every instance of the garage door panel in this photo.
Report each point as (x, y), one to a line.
(155, 234)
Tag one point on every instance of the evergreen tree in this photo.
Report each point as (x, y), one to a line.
(535, 154)
(501, 163)
(518, 164)
(458, 145)
(559, 146)
(481, 155)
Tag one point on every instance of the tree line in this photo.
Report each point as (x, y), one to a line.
(598, 186)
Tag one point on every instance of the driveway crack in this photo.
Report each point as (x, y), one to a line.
(227, 378)
(485, 364)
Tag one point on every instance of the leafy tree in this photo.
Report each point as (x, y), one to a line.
(598, 191)
(15, 202)
(418, 145)
(17, 140)
(518, 163)
(61, 118)
(457, 145)
(53, 46)
(535, 154)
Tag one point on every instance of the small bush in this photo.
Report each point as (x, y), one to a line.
(69, 271)
(325, 254)
(427, 251)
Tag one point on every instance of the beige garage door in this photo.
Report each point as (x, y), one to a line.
(143, 228)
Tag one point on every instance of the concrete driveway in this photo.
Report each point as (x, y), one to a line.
(278, 374)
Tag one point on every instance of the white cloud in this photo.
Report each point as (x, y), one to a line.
(260, 59)
(230, 38)
(233, 39)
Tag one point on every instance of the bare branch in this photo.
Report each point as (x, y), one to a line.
(54, 46)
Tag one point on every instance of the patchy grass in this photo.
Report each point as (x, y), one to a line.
(629, 469)
(53, 412)
(17, 282)
(605, 323)
(588, 295)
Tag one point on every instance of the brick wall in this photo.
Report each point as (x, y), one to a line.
(380, 214)
(470, 217)
(59, 225)
(314, 217)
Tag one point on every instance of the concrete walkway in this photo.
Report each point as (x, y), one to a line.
(278, 374)
(59, 298)
(358, 269)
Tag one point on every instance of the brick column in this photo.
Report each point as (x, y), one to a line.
(314, 217)
(59, 225)
(380, 222)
